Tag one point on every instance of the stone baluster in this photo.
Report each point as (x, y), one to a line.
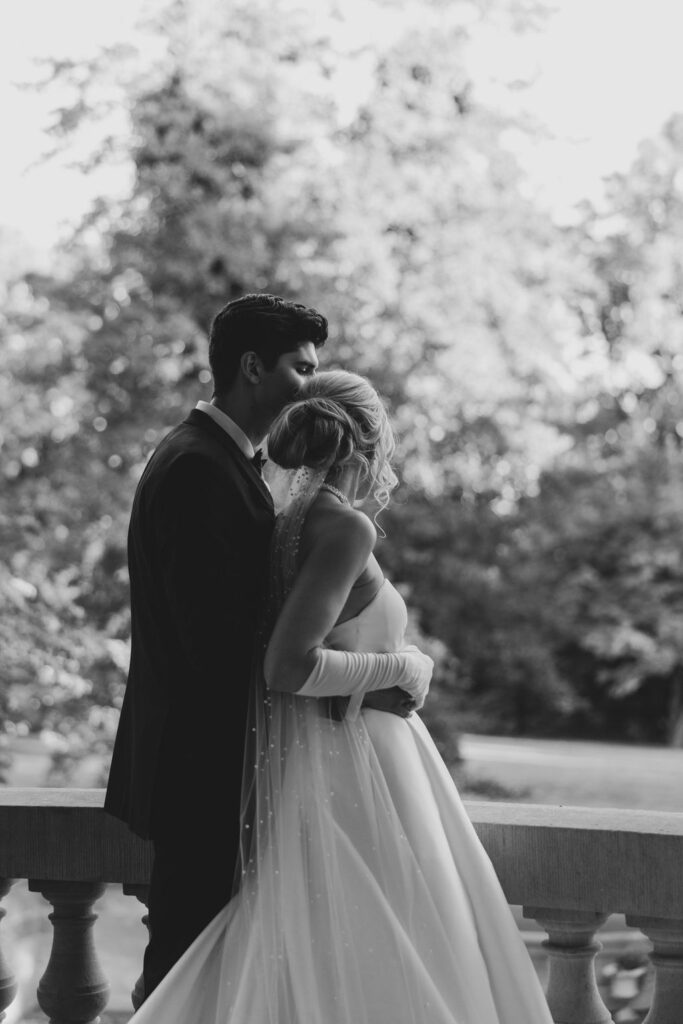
(572, 994)
(8, 987)
(141, 892)
(666, 937)
(73, 989)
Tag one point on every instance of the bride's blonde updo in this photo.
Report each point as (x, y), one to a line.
(338, 420)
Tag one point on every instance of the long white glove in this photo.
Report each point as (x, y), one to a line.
(351, 673)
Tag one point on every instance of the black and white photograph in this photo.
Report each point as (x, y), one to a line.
(341, 512)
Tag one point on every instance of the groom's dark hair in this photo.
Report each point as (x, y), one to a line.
(261, 323)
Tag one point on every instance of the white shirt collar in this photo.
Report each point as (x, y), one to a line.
(229, 426)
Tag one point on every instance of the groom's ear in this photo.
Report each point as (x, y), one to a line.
(252, 367)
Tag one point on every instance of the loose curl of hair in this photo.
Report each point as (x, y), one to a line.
(338, 420)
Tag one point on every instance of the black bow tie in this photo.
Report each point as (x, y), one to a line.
(258, 461)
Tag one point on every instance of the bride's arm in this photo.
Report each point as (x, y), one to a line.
(296, 660)
(338, 555)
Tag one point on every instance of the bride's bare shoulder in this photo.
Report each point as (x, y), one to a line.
(329, 523)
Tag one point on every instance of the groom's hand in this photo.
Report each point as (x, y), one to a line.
(394, 700)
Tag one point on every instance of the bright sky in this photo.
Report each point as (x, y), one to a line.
(606, 74)
(609, 73)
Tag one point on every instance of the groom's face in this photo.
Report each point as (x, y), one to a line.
(283, 383)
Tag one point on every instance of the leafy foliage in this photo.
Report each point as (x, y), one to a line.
(533, 373)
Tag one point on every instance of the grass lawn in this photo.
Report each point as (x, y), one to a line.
(574, 772)
(577, 772)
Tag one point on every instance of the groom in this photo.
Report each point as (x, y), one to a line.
(197, 552)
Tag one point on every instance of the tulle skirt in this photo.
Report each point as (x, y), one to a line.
(372, 901)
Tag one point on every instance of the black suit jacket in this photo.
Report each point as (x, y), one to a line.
(198, 548)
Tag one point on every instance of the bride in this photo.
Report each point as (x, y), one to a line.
(363, 894)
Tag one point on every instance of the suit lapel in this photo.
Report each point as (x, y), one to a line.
(237, 457)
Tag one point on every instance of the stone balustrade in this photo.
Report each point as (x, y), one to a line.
(568, 867)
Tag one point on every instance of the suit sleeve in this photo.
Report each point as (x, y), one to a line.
(207, 567)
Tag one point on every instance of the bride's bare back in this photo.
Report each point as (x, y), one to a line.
(327, 514)
(337, 575)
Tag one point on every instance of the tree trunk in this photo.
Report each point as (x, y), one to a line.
(676, 710)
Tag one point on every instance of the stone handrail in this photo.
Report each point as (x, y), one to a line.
(568, 867)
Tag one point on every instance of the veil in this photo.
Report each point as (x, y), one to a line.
(293, 491)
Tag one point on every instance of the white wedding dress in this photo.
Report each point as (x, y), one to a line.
(380, 905)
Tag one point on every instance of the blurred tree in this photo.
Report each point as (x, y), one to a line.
(450, 286)
(101, 358)
(464, 566)
(245, 174)
(603, 560)
(563, 605)
(59, 666)
(621, 593)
